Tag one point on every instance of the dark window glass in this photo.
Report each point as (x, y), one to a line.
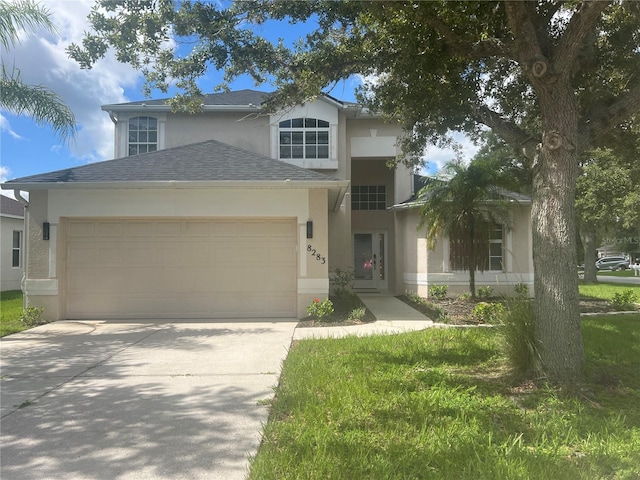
(143, 135)
(489, 251)
(16, 248)
(297, 138)
(368, 197)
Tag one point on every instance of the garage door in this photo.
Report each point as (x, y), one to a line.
(199, 268)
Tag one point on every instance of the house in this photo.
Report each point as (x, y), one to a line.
(12, 242)
(233, 212)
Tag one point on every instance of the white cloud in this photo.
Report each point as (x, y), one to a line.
(5, 126)
(4, 173)
(4, 176)
(41, 59)
(438, 157)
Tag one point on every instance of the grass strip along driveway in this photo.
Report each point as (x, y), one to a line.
(441, 404)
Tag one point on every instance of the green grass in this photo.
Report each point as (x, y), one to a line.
(605, 291)
(10, 310)
(441, 404)
(623, 273)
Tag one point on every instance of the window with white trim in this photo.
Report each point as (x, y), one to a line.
(489, 250)
(496, 249)
(303, 138)
(143, 135)
(16, 251)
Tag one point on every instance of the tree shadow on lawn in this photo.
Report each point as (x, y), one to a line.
(447, 398)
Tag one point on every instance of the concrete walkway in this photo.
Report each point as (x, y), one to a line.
(393, 316)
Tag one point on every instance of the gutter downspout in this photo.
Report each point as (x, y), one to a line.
(23, 201)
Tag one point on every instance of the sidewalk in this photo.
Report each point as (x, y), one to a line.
(393, 316)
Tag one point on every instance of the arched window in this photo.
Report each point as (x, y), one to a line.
(143, 135)
(304, 138)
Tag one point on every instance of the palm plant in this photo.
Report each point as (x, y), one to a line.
(44, 106)
(465, 202)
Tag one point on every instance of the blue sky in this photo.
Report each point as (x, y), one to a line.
(27, 149)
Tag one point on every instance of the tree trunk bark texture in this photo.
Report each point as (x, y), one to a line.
(557, 329)
(588, 238)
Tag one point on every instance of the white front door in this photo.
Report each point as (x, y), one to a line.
(369, 260)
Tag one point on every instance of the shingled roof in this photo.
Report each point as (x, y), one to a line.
(209, 161)
(235, 98)
(11, 207)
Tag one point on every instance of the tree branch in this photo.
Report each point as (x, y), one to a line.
(580, 27)
(522, 17)
(492, 47)
(509, 132)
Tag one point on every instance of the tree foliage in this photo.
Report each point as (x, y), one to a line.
(43, 105)
(603, 190)
(551, 79)
(465, 202)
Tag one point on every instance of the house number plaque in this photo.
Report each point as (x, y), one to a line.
(312, 251)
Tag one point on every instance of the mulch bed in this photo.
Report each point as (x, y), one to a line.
(339, 318)
(458, 312)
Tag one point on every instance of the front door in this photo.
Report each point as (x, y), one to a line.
(369, 260)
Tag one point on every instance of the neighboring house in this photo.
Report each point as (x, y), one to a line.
(236, 213)
(12, 242)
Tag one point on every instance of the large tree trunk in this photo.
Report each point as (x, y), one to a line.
(472, 260)
(556, 305)
(588, 238)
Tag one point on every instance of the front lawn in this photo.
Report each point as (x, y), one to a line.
(441, 404)
(10, 310)
(622, 273)
(605, 291)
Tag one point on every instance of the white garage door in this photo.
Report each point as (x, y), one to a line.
(197, 268)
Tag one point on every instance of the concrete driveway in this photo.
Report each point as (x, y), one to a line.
(148, 400)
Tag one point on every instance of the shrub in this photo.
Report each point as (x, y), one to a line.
(485, 292)
(488, 312)
(517, 337)
(319, 310)
(430, 309)
(521, 289)
(465, 296)
(32, 316)
(623, 300)
(415, 298)
(357, 314)
(341, 282)
(438, 291)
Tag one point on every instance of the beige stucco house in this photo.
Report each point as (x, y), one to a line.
(236, 213)
(12, 243)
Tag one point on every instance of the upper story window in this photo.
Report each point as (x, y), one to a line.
(368, 197)
(143, 135)
(16, 252)
(303, 138)
(489, 251)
